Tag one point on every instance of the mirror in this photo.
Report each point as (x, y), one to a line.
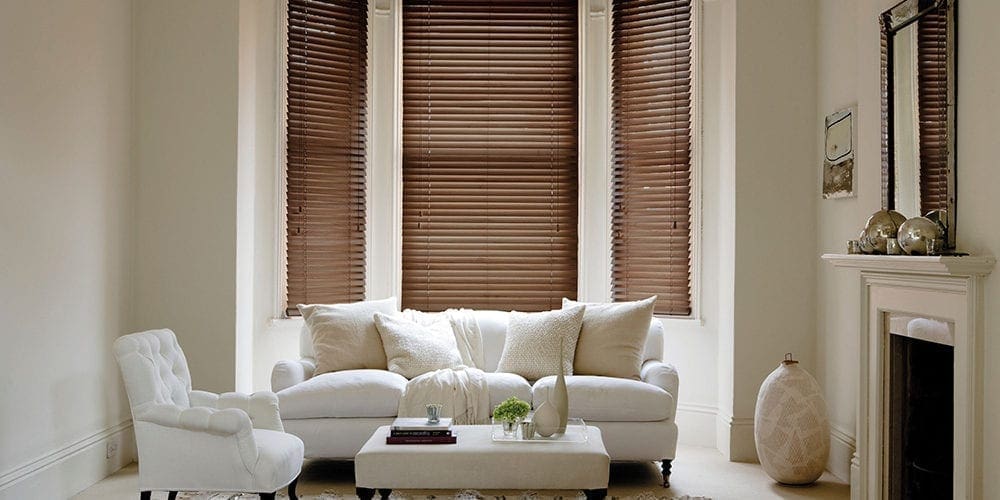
(918, 110)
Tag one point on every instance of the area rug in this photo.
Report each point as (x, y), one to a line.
(460, 495)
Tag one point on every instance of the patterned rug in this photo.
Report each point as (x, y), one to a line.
(460, 495)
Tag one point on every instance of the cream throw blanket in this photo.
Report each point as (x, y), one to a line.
(461, 390)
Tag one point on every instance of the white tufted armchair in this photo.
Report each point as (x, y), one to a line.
(199, 441)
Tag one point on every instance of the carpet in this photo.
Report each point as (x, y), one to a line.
(460, 495)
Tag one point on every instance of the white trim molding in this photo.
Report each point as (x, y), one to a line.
(945, 288)
(66, 471)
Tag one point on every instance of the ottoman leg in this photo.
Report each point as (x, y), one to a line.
(365, 493)
(665, 467)
(596, 494)
(384, 493)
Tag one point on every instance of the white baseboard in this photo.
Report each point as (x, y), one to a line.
(696, 424)
(735, 438)
(842, 448)
(66, 471)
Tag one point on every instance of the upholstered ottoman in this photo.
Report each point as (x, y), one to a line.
(477, 462)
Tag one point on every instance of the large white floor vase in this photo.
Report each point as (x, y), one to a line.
(791, 429)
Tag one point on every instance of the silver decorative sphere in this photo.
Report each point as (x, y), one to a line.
(916, 232)
(866, 246)
(881, 225)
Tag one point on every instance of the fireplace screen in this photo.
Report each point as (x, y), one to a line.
(920, 388)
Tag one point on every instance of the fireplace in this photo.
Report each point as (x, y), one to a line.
(921, 394)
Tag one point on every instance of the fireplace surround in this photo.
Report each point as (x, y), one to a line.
(947, 289)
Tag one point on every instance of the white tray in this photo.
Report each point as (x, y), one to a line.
(576, 432)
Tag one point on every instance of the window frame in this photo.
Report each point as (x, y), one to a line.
(594, 176)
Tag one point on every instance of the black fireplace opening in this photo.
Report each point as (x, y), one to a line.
(921, 419)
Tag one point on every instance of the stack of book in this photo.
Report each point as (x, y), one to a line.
(420, 431)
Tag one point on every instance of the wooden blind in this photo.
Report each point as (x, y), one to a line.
(489, 153)
(327, 57)
(932, 109)
(651, 135)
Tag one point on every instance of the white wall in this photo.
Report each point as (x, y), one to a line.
(66, 227)
(766, 149)
(186, 115)
(848, 74)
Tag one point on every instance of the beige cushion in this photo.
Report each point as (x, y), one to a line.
(344, 394)
(412, 349)
(507, 385)
(612, 338)
(531, 348)
(609, 399)
(344, 335)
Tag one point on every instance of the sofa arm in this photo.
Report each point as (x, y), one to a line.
(261, 407)
(662, 375)
(287, 373)
(231, 423)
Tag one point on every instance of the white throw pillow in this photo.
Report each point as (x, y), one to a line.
(414, 349)
(531, 348)
(612, 338)
(344, 335)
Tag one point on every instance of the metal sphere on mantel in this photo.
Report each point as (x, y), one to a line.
(881, 225)
(916, 232)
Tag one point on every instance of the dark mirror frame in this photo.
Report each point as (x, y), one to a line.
(892, 21)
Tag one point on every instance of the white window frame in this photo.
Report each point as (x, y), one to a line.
(383, 224)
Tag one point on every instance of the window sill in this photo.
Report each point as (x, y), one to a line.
(681, 321)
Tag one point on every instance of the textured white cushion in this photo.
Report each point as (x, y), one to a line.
(344, 335)
(506, 385)
(609, 399)
(347, 393)
(412, 349)
(531, 349)
(612, 338)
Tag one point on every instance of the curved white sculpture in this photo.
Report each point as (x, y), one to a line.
(791, 429)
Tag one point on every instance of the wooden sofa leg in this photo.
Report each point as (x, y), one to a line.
(365, 493)
(291, 489)
(665, 467)
(267, 496)
(145, 495)
(172, 495)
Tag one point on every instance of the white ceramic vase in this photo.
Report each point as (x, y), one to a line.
(546, 419)
(791, 429)
(559, 397)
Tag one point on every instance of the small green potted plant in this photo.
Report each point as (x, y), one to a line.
(510, 413)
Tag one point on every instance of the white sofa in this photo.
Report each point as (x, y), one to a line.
(335, 413)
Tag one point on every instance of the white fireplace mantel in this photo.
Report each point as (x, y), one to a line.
(942, 287)
(979, 265)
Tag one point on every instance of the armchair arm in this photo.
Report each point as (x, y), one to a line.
(230, 423)
(287, 373)
(664, 376)
(261, 407)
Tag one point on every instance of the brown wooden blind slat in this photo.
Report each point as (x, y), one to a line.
(651, 140)
(326, 109)
(489, 154)
(932, 109)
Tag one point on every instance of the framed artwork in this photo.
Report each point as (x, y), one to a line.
(838, 159)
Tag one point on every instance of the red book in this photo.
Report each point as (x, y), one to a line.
(421, 439)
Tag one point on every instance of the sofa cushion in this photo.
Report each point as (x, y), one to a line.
(344, 394)
(344, 335)
(538, 343)
(612, 338)
(505, 385)
(608, 399)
